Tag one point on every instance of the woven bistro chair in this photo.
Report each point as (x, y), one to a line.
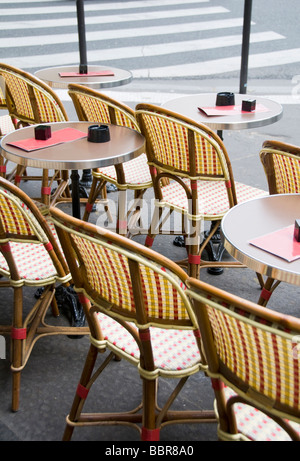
(6, 123)
(93, 106)
(192, 175)
(30, 101)
(253, 357)
(30, 256)
(281, 163)
(136, 307)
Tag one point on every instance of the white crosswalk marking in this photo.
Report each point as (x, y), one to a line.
(151, 31)
(43, 33)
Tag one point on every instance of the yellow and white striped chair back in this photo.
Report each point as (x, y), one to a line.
(255, 352)
(29, 99)
(281, 163)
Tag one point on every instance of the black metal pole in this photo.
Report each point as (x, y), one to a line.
(245, 46)
(83, 68)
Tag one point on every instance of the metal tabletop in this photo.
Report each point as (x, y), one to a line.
(52, 77)
(124, 145)
(188, 106)
(255, 218)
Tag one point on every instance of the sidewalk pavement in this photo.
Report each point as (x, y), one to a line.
(50, 378)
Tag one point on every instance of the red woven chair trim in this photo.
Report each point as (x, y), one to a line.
(5, 248)
(145, 335)
(228, 184)
(266, 294)
(2, 168)
(194, 259)
(216, 384)
(18, 333)
(149, 241)
(194, 185)
(18, 178)
(89, 207)
(152, 169)
(82, 391)
(48, 246)
(150, 434)
(46, 190)
(197, 333)
(83, 299)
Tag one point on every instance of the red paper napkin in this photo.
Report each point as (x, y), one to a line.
(57, 137)
(100, 73)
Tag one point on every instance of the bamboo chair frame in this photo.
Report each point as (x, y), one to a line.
(253, 360)
(189, 164)
(117, 280)
(30, 101)
(30, 256)
(6, 123)
(281, 163)
(93, 106)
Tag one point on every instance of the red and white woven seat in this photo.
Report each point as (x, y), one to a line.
(212, 197)
(136, 173)
(6, 125)
(173, 350)
(256, 425)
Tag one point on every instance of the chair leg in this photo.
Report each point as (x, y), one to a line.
(16, 337)
(97, 188)
(267, 291)
(81, 392)
(149, 431)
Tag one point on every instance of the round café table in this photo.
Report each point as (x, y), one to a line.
(52, 77)
(256, 218)
(124, 145)
(267, 112)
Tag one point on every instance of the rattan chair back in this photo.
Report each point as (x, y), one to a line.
(191, 174)
(93, 106)
(29, 99)
(281, 162)
(255, 353)
(136, 306)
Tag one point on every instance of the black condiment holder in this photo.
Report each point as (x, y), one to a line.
(225, 98)
(98, 133)
(297, 230)
(42, 132)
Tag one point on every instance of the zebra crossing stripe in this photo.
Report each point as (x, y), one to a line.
(59, 8)
(138, 51)
(114, 19)
(133, 32)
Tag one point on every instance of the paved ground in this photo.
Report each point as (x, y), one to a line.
(51, 376)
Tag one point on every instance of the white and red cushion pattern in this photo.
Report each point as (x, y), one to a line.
(33, 261)
(136, 172)
(173, 350)
(6, 125)
(213, 198)
(256, 425)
